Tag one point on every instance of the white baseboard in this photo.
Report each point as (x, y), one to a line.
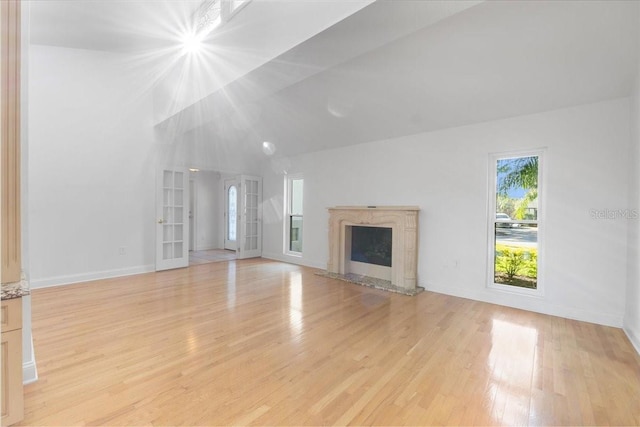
(29, 369)
(294, 260)
(86, 277)
(29, 372)
(635, 339)
(206, 247)
(530, 304)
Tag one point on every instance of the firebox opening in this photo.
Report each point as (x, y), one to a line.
(371, 245)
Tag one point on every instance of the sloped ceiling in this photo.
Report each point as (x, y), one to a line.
(491, 61)
(400, 67)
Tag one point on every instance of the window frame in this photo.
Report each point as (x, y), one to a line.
(288, 191)
(491, 221)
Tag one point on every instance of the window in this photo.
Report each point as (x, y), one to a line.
(209, 16)
(232, 214)
(515, 222)
(293, 235)
(214, 13)
(235, 5)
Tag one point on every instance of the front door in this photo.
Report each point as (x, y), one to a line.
(172, 223)
(231, 214)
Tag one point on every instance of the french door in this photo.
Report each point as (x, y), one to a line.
(250, 224)
(172, 219)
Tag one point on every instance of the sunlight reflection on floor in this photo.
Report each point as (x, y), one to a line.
(511, 365)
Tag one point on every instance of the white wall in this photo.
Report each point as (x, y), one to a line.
(93, 155)
(632, 313)
(446, 173)
(92, 164)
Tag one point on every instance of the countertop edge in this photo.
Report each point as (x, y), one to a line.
(15, 289)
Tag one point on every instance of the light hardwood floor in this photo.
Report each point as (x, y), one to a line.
(267, 343)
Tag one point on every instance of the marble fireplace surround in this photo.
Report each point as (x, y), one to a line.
(403, 220)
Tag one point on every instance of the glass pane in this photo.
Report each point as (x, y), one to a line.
(178, 180)
(251, 243)
(167, 215)
(516, 254)
(295, 233)
(168, 197)
(233, 213)
(167, 179)
(371, 245)
(516, 241)
(517, 189)
(296, 196)
(177, 249)
(167, 233)
(210, 16)
(177, 216)
(178, 197)
(177, 233)
(167, 252)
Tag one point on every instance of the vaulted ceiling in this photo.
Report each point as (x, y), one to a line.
(395, 68)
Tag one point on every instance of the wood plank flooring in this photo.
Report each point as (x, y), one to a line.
(266, 343)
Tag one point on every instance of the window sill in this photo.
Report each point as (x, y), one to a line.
(516, 290)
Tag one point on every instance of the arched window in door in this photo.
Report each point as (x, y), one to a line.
(232, 198)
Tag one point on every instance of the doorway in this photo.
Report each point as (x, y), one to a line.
(223, 214)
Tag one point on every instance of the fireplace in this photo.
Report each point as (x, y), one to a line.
(377, 244)
(369, 250)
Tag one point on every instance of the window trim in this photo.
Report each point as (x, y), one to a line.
(491, 214)
(288, 190)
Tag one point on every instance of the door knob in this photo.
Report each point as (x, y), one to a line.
(160, 221)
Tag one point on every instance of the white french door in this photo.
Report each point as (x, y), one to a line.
(250, 208)
(172, 219)
(231, 197)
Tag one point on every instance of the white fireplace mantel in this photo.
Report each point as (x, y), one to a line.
(403, 220)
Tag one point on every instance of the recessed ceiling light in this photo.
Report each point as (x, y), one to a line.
(194, 170)
(268, 148)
